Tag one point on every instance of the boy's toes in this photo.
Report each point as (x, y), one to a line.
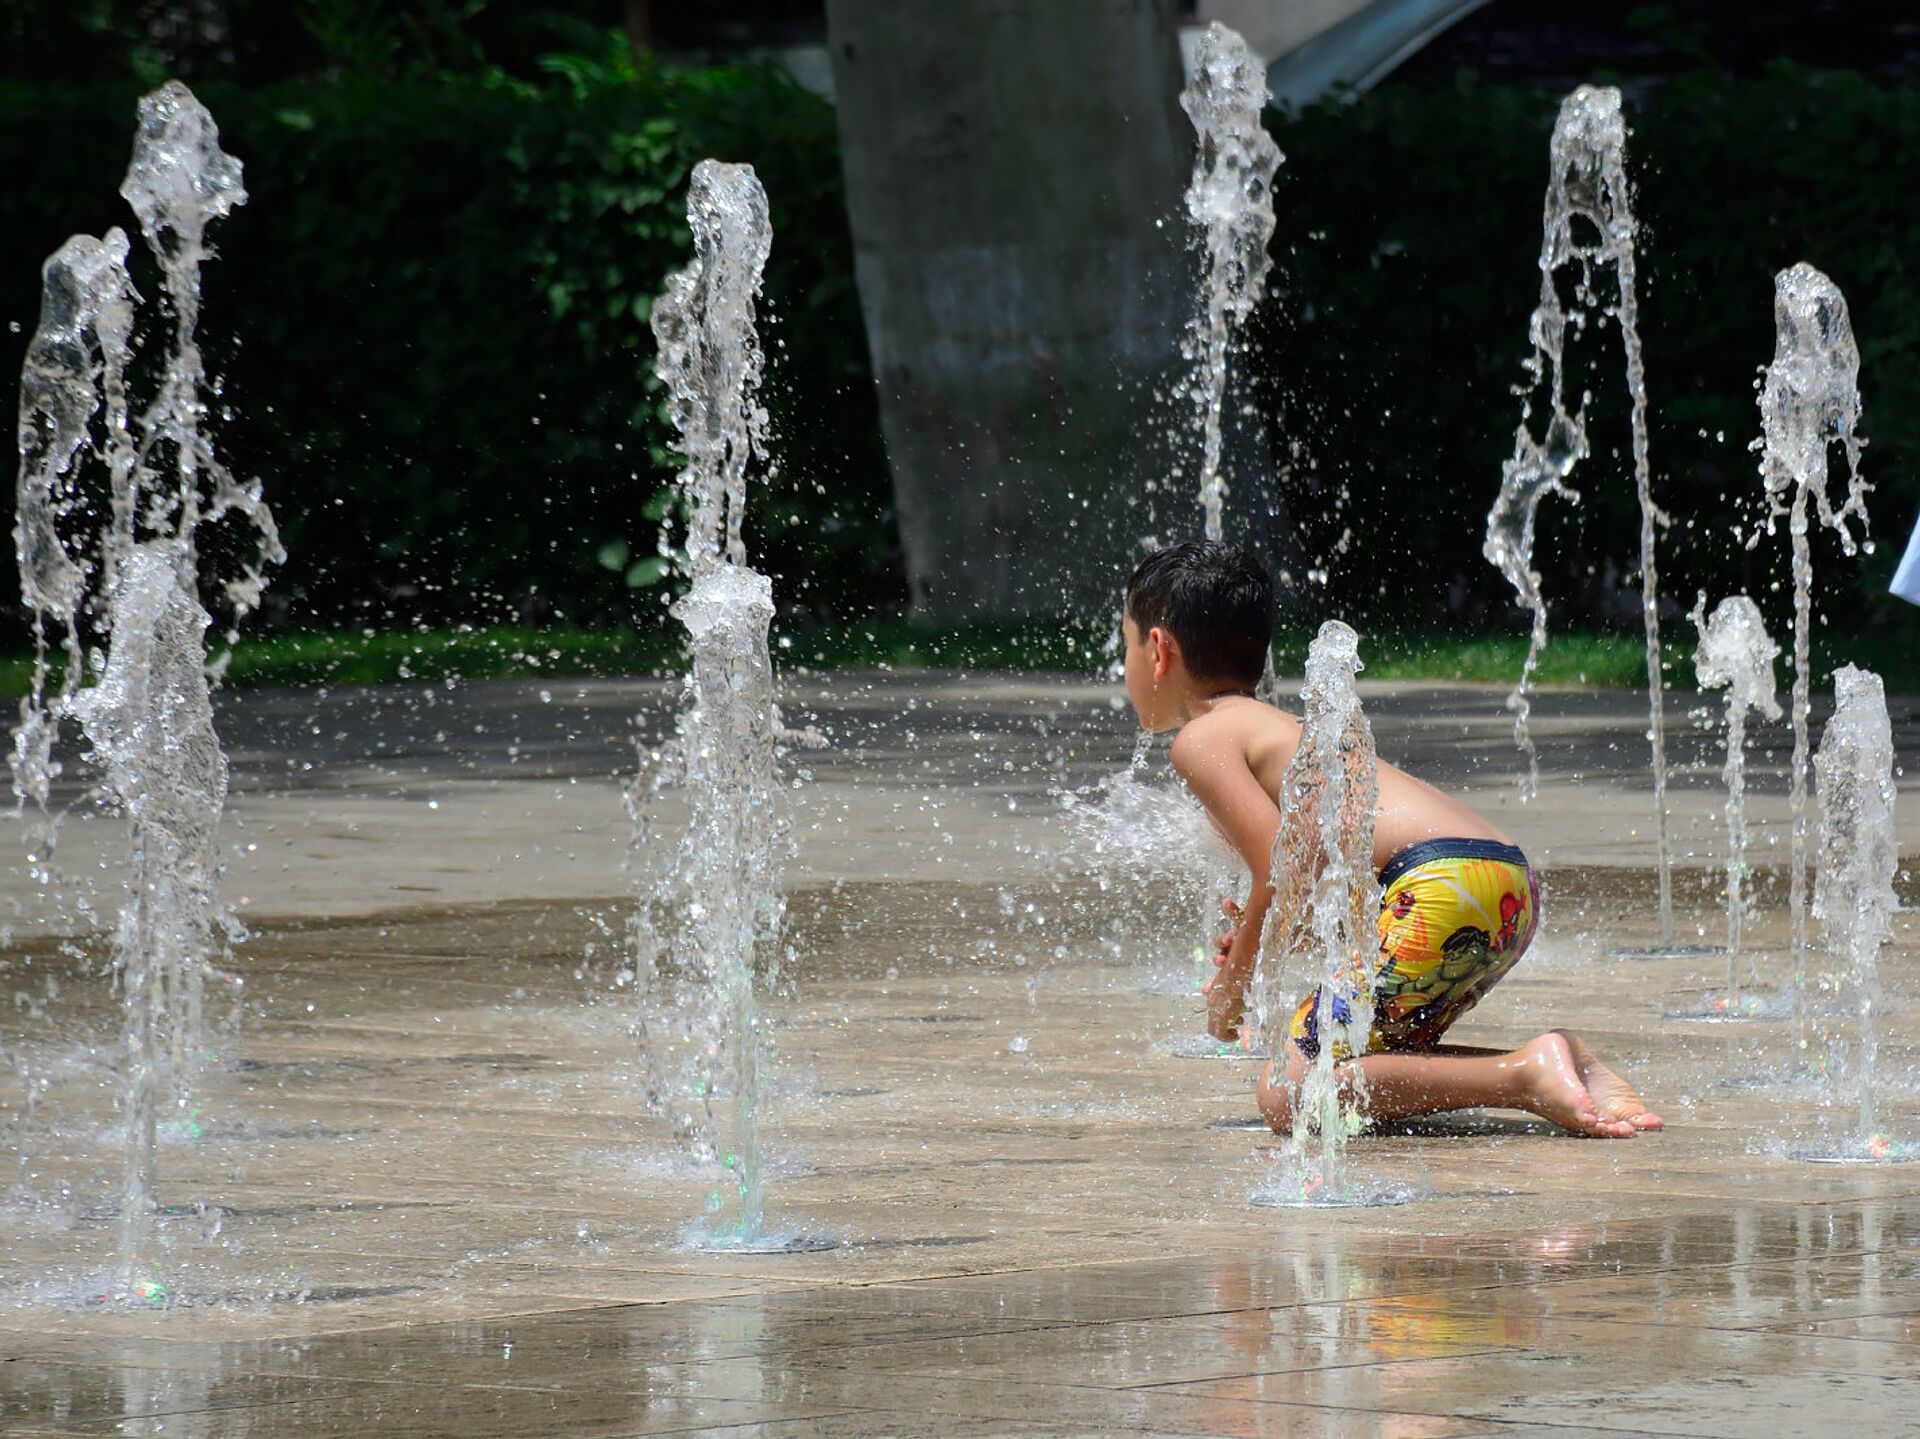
(1631, 1112)
(1599, 1126)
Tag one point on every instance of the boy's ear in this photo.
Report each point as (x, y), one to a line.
(1166, 649)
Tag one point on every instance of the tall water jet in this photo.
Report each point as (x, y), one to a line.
(1322, 932)
(709, 903)
(107, 540)
(1230, 207)
(1736, 654)
(1809, 400)
(1588, 222)
(1853, 895)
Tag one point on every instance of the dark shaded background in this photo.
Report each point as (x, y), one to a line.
(430, 319)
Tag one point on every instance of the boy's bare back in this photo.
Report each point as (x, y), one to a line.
(1233, 757)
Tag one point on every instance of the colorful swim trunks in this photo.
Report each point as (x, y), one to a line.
(1455, 916)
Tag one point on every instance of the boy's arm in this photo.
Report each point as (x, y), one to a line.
(1217, 773)
(1226, 992)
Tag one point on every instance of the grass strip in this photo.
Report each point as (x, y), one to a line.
(357, 658)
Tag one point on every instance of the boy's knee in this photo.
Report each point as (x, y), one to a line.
(1274, 1094)
(1275, 1101)
(1297, 1063)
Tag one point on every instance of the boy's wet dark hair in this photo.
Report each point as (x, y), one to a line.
(1215, 599)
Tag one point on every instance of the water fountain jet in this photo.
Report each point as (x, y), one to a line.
(1736, 654)
(130, 572)
(1322, 931)
(1809, 400)
(709, 905)
(1854, 898)
(1587, 194)
(1230, 207)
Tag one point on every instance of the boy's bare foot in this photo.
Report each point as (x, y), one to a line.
(1612, 1095)
(1552, 1088)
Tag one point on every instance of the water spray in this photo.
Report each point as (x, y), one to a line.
(109, 511)
(1809, 401)
(1588, 222)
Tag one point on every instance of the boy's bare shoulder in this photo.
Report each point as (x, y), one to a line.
(1242, 731)
(1201, 740)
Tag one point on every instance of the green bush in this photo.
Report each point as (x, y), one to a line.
(431, 318)
(432, 322)
(1406, 264)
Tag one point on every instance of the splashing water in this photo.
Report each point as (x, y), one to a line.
(1809, 399)
(1230, 207)
(710, 902)
(1534, 472)
(1736, 654)
(130, 570)
(1853, 894)
(180, 180)
(1321, 932)
(75, 363)
(1131, 827)
(150, 722)
(1587, 184)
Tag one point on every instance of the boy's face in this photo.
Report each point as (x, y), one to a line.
(1146, 667)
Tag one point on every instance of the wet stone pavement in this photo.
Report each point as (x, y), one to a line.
(420, 1195)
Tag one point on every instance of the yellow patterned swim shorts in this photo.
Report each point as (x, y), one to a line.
(1455, 916)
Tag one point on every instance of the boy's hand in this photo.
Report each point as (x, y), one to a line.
(1226, 1009)
(1226, 1002)
(1223, 943)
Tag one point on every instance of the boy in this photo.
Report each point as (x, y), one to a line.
(1459, 903)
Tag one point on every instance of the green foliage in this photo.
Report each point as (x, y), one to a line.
(372, 36)
(1580, 658)
(1405, 272)
(256, 42)
(431, 318)
(1605, 661)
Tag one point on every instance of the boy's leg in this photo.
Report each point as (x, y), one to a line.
(1542, 1077)
(1612, 1095)
(1555, 1075)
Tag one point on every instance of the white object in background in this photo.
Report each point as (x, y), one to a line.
(1906, 579)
